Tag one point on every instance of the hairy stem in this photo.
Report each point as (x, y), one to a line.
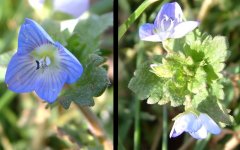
(96, 127)
(165, 128)
(137, 125)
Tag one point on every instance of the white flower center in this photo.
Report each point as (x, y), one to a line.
(46, 56)
(43, 63)
(167, 23)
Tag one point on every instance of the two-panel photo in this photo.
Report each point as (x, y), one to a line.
(126, 74)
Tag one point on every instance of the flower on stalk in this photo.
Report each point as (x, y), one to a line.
(40, 64)
(197, 126)
(168, 24)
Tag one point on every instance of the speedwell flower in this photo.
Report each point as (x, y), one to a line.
(197, 126)
(168, 24)
(40, 64)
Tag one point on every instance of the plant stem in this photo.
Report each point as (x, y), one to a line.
(206, 6)
(165, 128)
(96, 127)
(137, 130)
(137, 125)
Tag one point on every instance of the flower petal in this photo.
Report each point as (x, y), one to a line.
(31, 35)
(146, 33)
(174, 132)
(200, 134)
(50, 83)
(70, 64)
(185, 122)
(72, 7)
(146, 30)
(209, 124)
(183, 28)
(21, 73)
(172, 10)
(194, 126)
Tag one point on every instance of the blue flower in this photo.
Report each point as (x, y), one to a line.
(197, 126)
(168, 24)
(40, 64)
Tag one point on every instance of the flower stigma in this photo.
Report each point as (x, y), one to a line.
(45, 56)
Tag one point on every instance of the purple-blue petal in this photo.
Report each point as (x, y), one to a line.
(174, 132)
(200, 134)
(72, 7)
(183, 28)
(31, 35)
(146, 33)
(146, 30)
(172, 10)
(50, 83)
(70, 64)
(183, 123)
(209, 124)
(21, 73)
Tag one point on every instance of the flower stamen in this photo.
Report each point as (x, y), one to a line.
(43, 63)
(167, 23)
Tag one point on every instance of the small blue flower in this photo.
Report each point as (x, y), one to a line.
(197, 127)
(168, 24)
(40, 64)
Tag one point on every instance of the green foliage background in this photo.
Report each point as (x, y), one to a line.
(26, 122)
(219, 19)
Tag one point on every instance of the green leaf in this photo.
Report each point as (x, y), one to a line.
(211, 74)
(200, 96)
(86, 37)
(197, 56)
(215, 110)
(198, 82)
(93, 83)
(216, 50)
(174, 93)
(156, 95)
(81, 47)
(217, 90)
(144, 82)
(53, 29)
(84, 44)
(161, 70)
(93, 26)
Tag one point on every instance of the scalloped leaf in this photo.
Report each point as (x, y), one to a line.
(215, 110)
(145, 83)
(93, 83)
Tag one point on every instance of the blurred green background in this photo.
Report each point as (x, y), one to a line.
(26, 122)
(217, 17)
